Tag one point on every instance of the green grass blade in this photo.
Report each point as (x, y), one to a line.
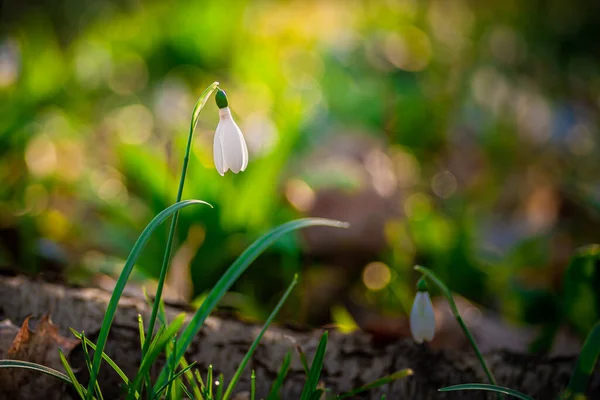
(148, 382)
(586, 363)
(379, 382)
(201, 382)
(105, 357)
(220, 383)
(448, 294)
(187, 392)
(250, 352)
(156, 347)
(209, 382)
(122, 281)
(233, 273)
(173, 379)
(80, 390)
(315, 369)
(88, 363)
(141, 329)
(303, 359)
(173, 367)
(487, 387)
(317, 394)
(36, 367)
(189, 376)
(278, 382)
(253, 386)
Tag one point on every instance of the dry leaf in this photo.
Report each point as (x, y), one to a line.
(39, 346)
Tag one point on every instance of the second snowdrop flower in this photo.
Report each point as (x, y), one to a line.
(229, 148)
(422, 317)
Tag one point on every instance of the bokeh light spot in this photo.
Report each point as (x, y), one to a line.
(300, 195)
(417, 206)
(444, 184)
(376, 276)
(40, 156)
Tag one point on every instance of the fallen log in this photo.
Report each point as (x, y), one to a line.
(351, 359)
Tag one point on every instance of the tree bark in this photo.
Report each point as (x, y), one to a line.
(351, 360)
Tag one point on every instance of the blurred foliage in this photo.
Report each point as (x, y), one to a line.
(458, 135)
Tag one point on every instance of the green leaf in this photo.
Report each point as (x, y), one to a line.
(303, 359)
(315, 370)
(80, 389)
(278, 382)
(36, 367)
(487, 387)
(379, 382)
(105, 357)
(220, 383)
(586, 363)
(189, 375)
(253, 386)
(88, 364)
(233, 273)
(250, 352)
(156, 347)
(580, 297)
(122, 281)
(172, 379)
(316, 395)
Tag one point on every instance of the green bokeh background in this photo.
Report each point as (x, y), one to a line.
(469, 130)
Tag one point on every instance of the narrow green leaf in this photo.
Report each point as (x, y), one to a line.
(586, 363)
(209, 382)
(278, 382)
(316, 395)
(36, 367)
(80, 390)
(220, 383)
(173, 366)
(379, 382)
(88, 363)
(156, 347)
(189, 375)
(105, 357)
(253, 386)
(250, 352)
(187, 392)
(233, 273)
(148, 382)
(122, 281)
(141, 329)
(487, 387)
(303, 359)
(173, 378)
(315, 369)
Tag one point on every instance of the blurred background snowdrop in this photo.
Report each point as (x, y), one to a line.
(452, 134)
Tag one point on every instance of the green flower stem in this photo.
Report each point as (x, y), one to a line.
(167, 257)
(446, 292)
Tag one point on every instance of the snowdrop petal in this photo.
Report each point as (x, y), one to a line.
(218, 153)
(232, 144)
(422, 318)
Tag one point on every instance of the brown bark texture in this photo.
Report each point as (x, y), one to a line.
(352, 360)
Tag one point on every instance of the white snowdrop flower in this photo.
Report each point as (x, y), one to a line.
(422, 317)
(229, 148)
